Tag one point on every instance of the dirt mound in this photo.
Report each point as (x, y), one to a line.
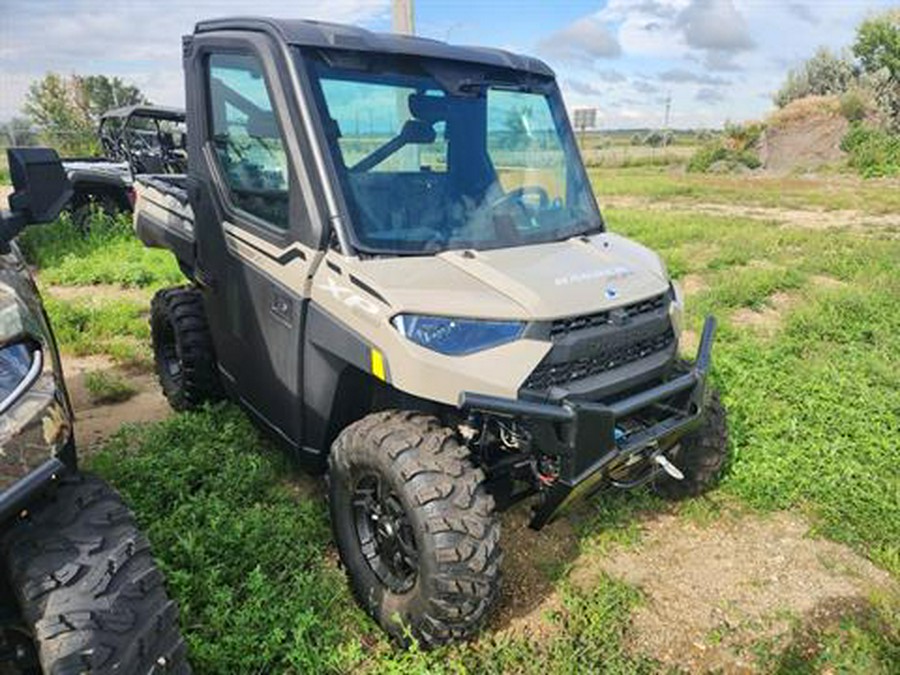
(804, 135)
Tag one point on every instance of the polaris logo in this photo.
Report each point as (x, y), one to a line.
(603, 274)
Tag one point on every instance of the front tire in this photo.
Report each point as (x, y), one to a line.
(88, 589)
(183, 348)
(702, 455)
(415, 527)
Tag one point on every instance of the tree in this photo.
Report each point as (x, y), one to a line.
(877, 43)
(99, 93)
(67, 110)
(823, 74)
(877, 47)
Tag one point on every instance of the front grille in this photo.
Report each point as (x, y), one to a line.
(550, 375)
(562, 328)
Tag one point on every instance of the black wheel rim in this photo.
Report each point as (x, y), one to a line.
(385, 534)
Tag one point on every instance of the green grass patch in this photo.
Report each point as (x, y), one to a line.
(873, 152)
(119, 328)
(864, 639)
(108, 253)
(105, 387)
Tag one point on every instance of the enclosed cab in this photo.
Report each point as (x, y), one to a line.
(401, 272)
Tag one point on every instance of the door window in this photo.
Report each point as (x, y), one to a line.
(247, 139)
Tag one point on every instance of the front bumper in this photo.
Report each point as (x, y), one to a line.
(582, 435)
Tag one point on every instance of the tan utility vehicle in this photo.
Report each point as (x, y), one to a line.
(399, 269)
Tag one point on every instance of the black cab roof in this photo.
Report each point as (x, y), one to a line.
(339, 36)
(146, 110)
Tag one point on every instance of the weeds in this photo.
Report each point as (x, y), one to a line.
(873, 152)
(107, 253)
(118, 328)
(105, 387)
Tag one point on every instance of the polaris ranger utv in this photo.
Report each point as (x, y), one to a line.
(399, 269)
(79, 592)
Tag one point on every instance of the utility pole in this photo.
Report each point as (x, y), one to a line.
(404, 17)
(405, 24)
(668, 110)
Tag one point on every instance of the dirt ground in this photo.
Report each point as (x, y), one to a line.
(711, 590)
(805, 140)
(95, 423)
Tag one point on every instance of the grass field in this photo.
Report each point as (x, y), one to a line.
(808, 361)
(830, 192)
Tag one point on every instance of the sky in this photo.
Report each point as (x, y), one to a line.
(716, 60)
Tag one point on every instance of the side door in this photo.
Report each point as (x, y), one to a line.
(254, 244)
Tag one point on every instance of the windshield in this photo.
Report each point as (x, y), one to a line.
(435, 156)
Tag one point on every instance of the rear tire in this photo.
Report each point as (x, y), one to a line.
(86, 204)
(87, 586)
(439, 578)
(702, 455)
(183, 348)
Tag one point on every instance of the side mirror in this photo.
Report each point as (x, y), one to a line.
(41, 186)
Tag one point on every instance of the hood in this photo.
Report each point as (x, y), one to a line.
(578, 276)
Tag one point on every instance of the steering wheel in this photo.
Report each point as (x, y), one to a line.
(517, 195)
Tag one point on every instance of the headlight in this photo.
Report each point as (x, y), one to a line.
(456, 337)
(19, 366)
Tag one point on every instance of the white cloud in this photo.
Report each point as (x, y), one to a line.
(683, 75)
(139, 41)
(715, 24)
(583, 41)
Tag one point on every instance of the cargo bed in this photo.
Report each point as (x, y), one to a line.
(163, 217)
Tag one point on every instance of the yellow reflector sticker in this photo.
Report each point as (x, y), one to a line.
(378, 365)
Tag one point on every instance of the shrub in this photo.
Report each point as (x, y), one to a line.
(734, 150)
(855, 104)
(825, 73)
(873, 152)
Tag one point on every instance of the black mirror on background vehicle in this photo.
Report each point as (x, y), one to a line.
(42, 190)
(41, 186)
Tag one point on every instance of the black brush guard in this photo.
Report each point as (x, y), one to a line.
(582, 434)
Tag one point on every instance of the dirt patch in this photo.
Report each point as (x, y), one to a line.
(99, 293)
(806, 134)
(96, 423)
(692, 284)
(711, 591)
(532, 563)
(688, 343)
(767, 320)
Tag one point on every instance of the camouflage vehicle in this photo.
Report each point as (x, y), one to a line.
(79, 591)
(398, 268)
